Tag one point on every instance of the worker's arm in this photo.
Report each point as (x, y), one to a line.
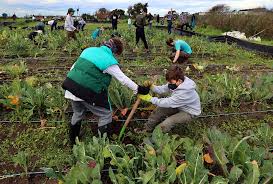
(177, 54)
(115, 71)
(160, 89)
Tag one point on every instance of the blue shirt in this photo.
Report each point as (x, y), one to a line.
(182, 46)
(96, 33)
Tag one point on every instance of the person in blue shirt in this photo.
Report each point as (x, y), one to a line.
(182, 49)
(97, 33)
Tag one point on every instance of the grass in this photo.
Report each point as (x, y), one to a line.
(209, 31)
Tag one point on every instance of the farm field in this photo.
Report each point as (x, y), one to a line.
(231, 142)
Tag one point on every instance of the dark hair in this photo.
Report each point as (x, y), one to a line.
(118, 44)
(145, 10)
(169, 41)
(175, 73)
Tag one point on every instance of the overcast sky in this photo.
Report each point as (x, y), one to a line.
(59, 7)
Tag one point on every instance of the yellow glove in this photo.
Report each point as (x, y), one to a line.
(148, 84)
(146, 98)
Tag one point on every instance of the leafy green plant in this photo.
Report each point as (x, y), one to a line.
(89, 162)
(120, 96)
(16, 70)
(264, 138)
(195, 172)
(21, 159)
(36, 99)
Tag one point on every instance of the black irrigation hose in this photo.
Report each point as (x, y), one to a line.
(38, 173)
(135, 120)
(262, 49)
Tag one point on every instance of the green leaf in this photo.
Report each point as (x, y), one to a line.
(106, 152)
(51, 173)
(157, 136)
(235, 174)
(148, 176)
(171, 174)
(167, 153)
(112, 176)
(237, 146)
(97, 182)
(219, 180)
(267, 168)
(253, 173)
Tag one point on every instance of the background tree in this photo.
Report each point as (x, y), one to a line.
(136, 9)
(4, 15)
(220, 8)
(102, 14)
(119, 12)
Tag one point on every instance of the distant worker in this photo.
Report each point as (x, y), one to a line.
(193, 21)
(182, 50)
(69, 25)
(150, 20)
(129, 22)
(33, 35)
(14, 16)
(53, 24)
(184, 19)
(140, 23)
(157, 20)
(41, 25)
(87, 85)
(170, 21)
(180, 107)
(97, 32)
(114, 20)
(82, 24)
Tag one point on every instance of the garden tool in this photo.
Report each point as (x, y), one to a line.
(129, 118)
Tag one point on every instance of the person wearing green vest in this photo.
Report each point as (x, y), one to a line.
(87, 84)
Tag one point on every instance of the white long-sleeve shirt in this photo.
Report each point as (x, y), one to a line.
(114, 71)
(69, 23)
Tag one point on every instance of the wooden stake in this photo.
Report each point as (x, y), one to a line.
(129, 118)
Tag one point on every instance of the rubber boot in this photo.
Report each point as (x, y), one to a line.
(105, 129)
(74, 132)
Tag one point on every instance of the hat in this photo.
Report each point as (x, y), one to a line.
(70, 10)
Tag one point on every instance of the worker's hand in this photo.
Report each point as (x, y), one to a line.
(148, 84)
(146, 98)
(142, 90)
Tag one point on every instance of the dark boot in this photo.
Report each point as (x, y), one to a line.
(74, 132)
(105, 129)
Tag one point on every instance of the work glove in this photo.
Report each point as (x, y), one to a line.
(146, 98)
(148, 84)
(142, 90)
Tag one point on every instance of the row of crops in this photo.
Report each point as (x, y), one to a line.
(230, 81)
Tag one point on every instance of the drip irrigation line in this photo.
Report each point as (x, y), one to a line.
(136, 120)
(38, 173)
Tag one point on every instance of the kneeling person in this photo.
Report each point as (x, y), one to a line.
(182, 49)
(180, 107)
